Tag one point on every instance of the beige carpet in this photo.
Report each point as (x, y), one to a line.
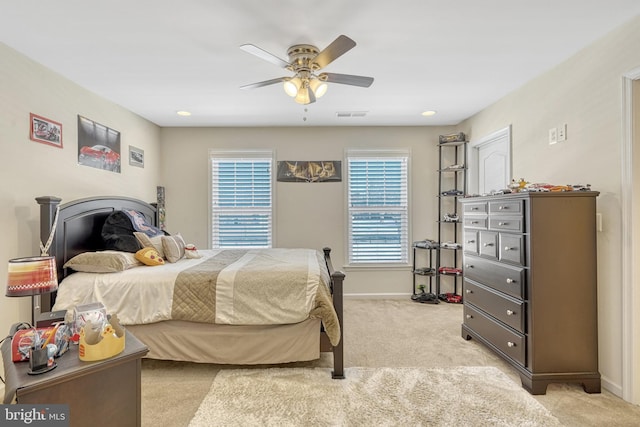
(382, 334)
(463, 396)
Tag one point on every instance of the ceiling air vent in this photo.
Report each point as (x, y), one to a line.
(351, 113)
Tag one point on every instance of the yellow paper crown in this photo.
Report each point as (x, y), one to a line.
(109, 342)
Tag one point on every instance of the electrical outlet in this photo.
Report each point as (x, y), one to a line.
(562, 132)
(553, 136)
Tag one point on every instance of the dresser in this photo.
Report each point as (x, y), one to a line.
(530, 284)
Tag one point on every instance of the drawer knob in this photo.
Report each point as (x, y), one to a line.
(469, 291)
(474, 208)
(503, 208)
(511, 344)
(510, 312)
(474, 222)
(488, 244)
(469, 316)
(503, 223)
(471, 241)
(509, 280)
(507, 248)
(468, 266)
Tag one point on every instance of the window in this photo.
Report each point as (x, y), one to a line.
(378, 207)
(241, 199)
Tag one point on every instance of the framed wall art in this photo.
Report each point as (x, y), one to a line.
(45, 130)
(310, 171)
(136, 156)
(98, 145)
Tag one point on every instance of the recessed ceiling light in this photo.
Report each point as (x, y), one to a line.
(429, 113)
(183, 113)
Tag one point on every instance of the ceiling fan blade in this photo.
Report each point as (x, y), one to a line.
(265, 83)
(337, 48)
(263, 54)
(346, 79)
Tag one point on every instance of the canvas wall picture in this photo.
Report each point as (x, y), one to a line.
(310, 171)
(98, 145)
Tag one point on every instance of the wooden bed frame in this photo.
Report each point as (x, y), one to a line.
(79, 227)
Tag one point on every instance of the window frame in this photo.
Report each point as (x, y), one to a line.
(242, 155)
(405, 262)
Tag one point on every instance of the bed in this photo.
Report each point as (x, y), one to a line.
(78, 226)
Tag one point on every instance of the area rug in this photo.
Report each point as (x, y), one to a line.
(457, 396)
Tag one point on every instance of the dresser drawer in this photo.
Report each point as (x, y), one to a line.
(475, 208)
(511, 248)
(488, 244)
(475, 222)
(503, 338)
(508, 207)
(508, 310)
(470, 242)
(504, 278)
(513, 223)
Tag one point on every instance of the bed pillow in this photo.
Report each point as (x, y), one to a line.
(102, 262)
(150, 242)
(149, 256)
(173, 247)
(140, 223)
(117, 233)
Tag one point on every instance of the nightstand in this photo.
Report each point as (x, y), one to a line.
(103, 390)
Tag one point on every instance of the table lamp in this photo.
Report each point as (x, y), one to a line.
(32, 276)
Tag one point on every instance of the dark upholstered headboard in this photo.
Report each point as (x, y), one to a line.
(79, 227)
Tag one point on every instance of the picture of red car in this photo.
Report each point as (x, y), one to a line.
(100, 156)
(43, 131)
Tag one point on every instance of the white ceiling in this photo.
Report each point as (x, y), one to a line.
(157, 57)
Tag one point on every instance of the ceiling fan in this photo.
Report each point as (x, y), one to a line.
(305, 61)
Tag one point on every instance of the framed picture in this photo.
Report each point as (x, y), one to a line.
(45, 130)
(309, 171)
(98, 145)
(136, 156)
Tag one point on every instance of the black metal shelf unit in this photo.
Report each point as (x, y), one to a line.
(452, 184)
(424, 272)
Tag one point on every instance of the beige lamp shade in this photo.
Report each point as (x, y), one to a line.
(31, 276)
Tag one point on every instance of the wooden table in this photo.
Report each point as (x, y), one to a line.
(96, 392)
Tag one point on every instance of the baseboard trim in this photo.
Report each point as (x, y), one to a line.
(611, 387)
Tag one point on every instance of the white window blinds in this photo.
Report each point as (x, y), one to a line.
(241, 200)
(378, 208)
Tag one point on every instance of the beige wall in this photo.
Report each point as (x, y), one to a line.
(307, 215)
(585, 93)
(30, 169)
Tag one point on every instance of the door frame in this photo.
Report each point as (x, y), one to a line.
(630, 274)
(473, 168)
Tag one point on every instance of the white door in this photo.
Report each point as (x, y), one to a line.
(490, 162)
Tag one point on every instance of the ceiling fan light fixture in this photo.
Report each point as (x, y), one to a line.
(292, 86)
(303, 96)
(318, 87)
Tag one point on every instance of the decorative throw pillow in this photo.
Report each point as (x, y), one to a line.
(150, 242)
(173, 247)
(190, 251)
(140, 223)
(102, 262)
(117, 233)
(149, 256)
